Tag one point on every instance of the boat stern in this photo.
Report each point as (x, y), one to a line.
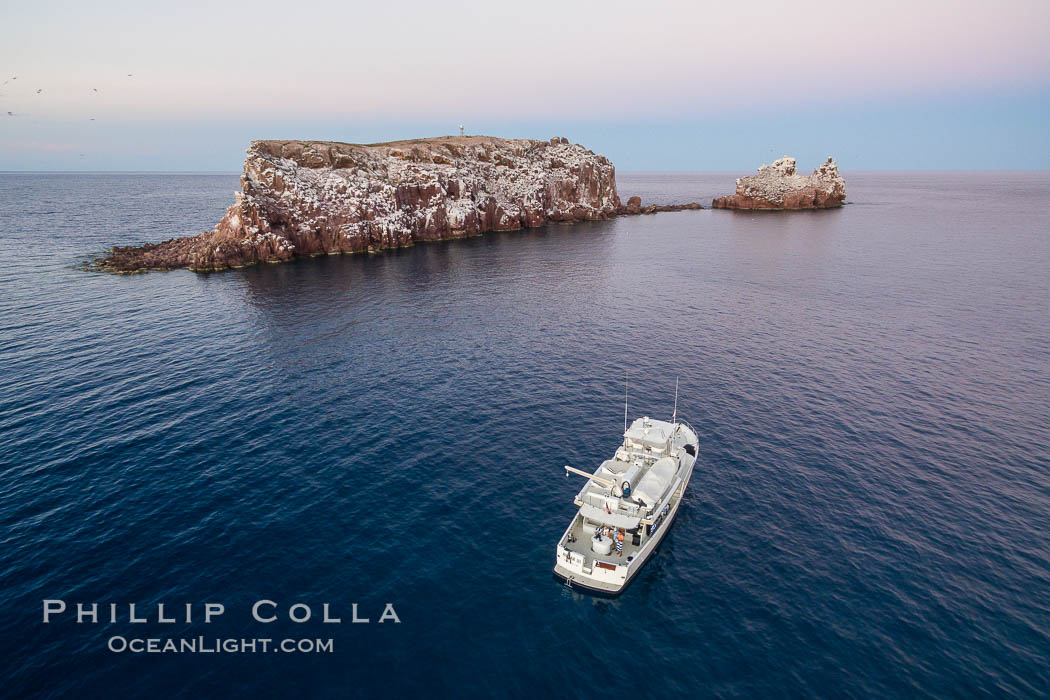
(592, 574)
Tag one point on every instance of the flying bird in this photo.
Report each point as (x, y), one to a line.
(10, 79)
(39, 91)
(129, 75)
(10, 114)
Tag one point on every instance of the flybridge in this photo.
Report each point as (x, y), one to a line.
(633, 482)
(646, 436)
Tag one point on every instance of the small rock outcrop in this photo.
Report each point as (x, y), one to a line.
(779, 187)
(302, 198)
(657, 208)
(634, 207)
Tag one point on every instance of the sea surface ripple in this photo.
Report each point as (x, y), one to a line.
(869, 517)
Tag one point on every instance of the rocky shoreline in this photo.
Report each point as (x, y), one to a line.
(306, 198)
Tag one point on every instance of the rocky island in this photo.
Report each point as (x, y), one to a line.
(779, 187)
(302, 198)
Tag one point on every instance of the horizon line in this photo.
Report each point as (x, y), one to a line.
(683, 172)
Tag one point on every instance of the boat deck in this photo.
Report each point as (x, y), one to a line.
(583, 538)
(583, 545)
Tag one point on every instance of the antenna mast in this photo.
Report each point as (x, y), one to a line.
(674, 418)
(625, 401)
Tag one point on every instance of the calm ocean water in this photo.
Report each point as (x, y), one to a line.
(869, 517)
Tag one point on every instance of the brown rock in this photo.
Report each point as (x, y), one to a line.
(634, 207)
(308, 198)
(657, 208)
(779, 187)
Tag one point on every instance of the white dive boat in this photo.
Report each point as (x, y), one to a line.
(627, 506)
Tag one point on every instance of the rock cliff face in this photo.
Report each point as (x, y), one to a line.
(778, 186)
(307, 198)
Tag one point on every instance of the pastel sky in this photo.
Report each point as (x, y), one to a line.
(654, 85)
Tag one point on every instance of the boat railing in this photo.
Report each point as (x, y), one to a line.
(689, 425)
(629, 509)
(599, 501)
(592, 499)
(642, 454)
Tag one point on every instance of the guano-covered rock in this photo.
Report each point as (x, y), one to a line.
(302, 198)
(778, 186)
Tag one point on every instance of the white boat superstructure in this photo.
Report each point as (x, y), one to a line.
(627, 506)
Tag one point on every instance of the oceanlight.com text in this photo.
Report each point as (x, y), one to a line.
(215, 645)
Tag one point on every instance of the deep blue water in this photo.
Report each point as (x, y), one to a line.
(870, 515)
